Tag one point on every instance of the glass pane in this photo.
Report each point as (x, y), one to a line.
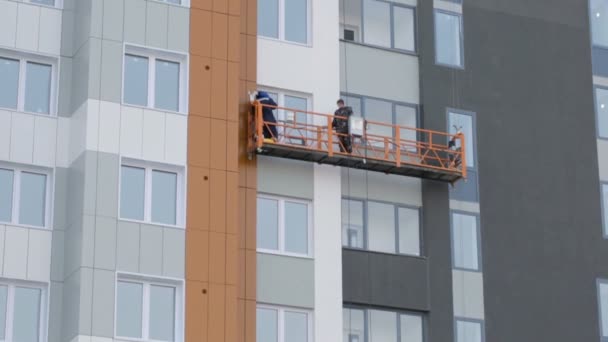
(296, 228)
(26, 315)
(464, 122)
(299, 131)
(354, 103)
(9, 82)
(38, 88)
(296, 327)
(352, 223)
(177, 2)
(376, 23)
(33, 199)
(3, 302)
(382, 112)
(354, 325)
(411, 328)
(129, 303)
(296, 21)
(383, 326)
(605, 206)
(601, 106)
(381, 227)
(266, 325)
(350, 19)
(167, 85)
(447, 39)
(268, 18)
(268, 224)
(465, 241)
(406, 116)
(603, 293)
(136, 80)
(468, 331)
(6, 195)
(409, 231)
(599, 22)
(44, 2)
(132, 192)
(162, 313)
(164, 197)
(404, 28)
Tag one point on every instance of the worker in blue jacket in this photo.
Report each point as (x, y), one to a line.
(270, 128)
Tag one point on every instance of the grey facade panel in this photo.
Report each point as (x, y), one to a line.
(386, 280)
(466, 190)
(528, 77)
(285, 280)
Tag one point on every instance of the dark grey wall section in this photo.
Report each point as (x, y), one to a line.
(528, 78)
(386, 280)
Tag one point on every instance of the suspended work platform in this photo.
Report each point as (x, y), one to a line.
(381, 147)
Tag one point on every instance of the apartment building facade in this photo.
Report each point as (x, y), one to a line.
(131, 210)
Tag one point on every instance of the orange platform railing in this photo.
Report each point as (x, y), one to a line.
(400, 146)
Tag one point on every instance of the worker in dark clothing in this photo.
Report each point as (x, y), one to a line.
(270, 128)
(340, 125)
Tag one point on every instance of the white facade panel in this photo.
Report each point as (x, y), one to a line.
(154, 135)
(131, 123)
(45, 140)
(176, 139)
(8, 23)
(467, 290)
(109, 127)
(15, 252)
(602, 154)
(49, 40)
(22, 138)
(28, 27)
(5, 134)
(39, 255)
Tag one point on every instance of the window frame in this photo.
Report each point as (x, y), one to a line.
(473, 115)
(478, 235)
(396, 207)
(361, 30)
(147, 281)
(281, 26)
(398, 314)
(43, 309)
(597, 112)
(17, 169)
(604, 207)
(184, 3)
(58, 4)
(593, 45)
(23, 58)
(152, 54)
(393, 103)
(180, 205)
(280, 113)
(281, 225)
(281, 319)
(461, 36)
(469, 320)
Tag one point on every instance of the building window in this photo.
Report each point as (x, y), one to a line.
(292, 127)
(148, 310)
(276, 324)
(286, 20)
(601, 109)
(385, 24)
(605, 207)
(389, 112)
(469, 331)
(155, 79)
(25, 196)
(465, 241)
(284, 225)
(27, 83)
(380, 226)
(360, 325)
(465, 122)
(599, 22)
(448, 39)
(50, 3)
(602, 294)
(22, 311)
(151, 193)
